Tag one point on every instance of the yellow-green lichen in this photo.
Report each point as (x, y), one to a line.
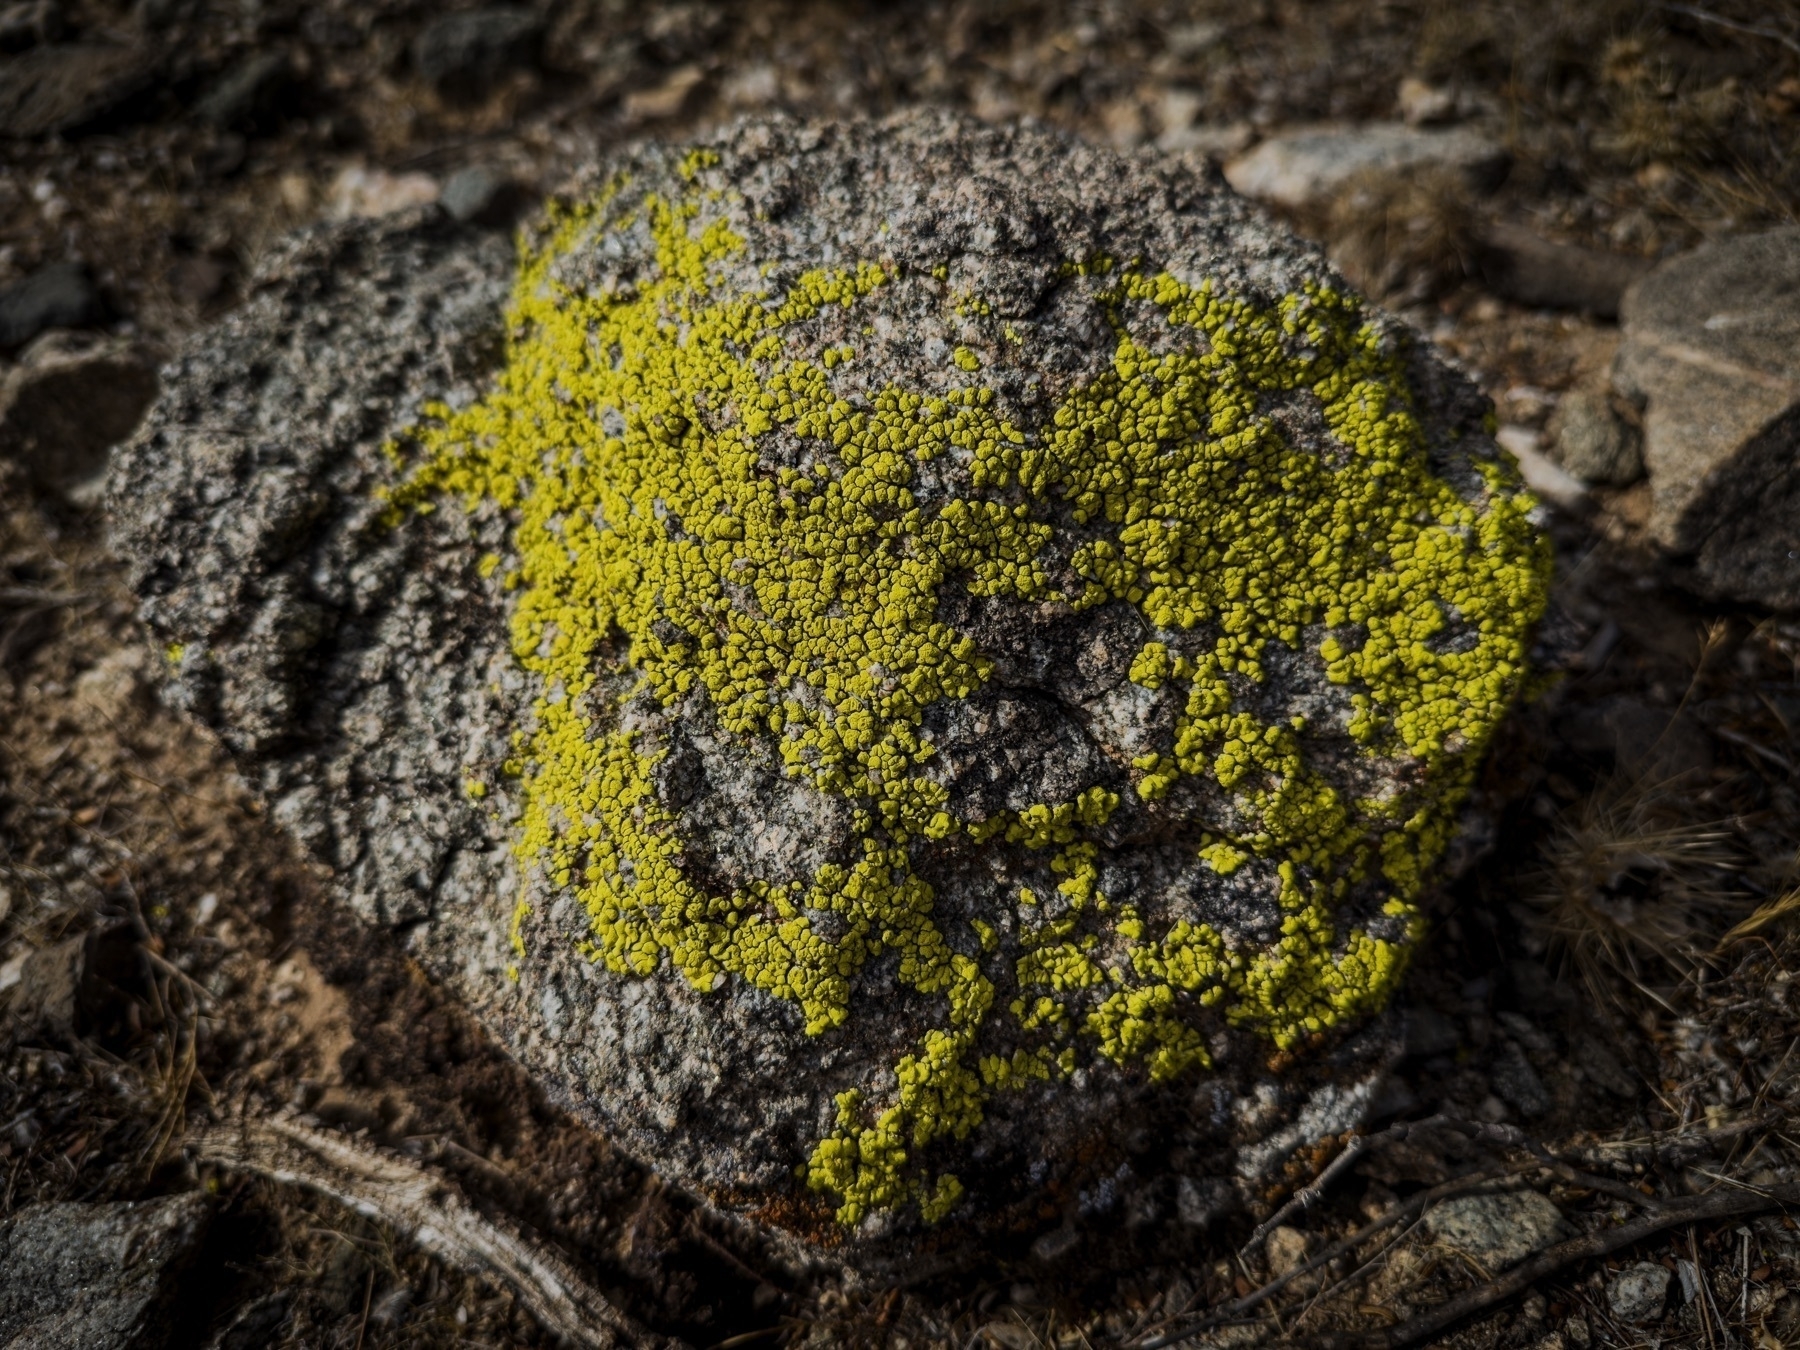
(801, 603)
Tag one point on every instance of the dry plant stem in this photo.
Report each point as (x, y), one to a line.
(424, 1208)
(1308, 1195)
(1701, 1209)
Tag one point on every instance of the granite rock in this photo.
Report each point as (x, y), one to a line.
(1711, 352)
(101, 1277)
(1498, 1230)
(1064, 945)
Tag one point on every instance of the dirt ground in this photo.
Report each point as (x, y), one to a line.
(171, 966)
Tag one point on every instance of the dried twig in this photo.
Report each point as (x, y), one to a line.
(423, 1207)
(1700, 1209)
(1307, 1196)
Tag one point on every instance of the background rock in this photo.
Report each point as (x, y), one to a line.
(1304, 168)
(1712, 354)
(1498, 1230)
(58, 295)
(67, 403)
(362, 674)
(461, 55)
(1639, 1292)
(1592, 441)
(96, 1276)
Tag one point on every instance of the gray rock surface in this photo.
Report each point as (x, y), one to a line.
(101, 1277)
(1711, 352)
(361, 669)
(1498, 1230)
(1306, 167)
(1638, 1293)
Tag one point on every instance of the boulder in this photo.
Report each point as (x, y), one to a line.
(461, 55)
(1306, 167)
(1711, 352)
(98, 1276)
(911, 667)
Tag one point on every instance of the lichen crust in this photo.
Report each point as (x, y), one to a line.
(716, 505)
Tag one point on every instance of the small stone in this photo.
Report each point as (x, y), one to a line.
(665, 100)
(482, 196)
(1201, 1202)
(463, 55)
(1422, 104)
(102, 1277)
(1592, 441)
(27, 23)
(1306, 168)
(59, 295)
(359, 192)
(252, 96)
(1711, 352)
(1517, 1082)
(67, 403)
(1056, 1244)
(1498, 1230)
(1542, 474)
(1638, 1293)
(1600, 1062)
(1286, 1249)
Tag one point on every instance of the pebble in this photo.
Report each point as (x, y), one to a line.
(1638, 1293)
(1592, 441)
(359, 192)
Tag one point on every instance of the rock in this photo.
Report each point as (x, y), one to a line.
(1286, 1250)
(252, 96)
(1420, 103)
(1200, 1202)
(462, 55)
(1498, 1230)
(67, 403)
(1711, 352)
(909, 900)
(1592, 441)
(1638, 1293)
(27, 23)
(1542, 474)
(1305, 168)
(1519, 266)
(63, 87)
(482, 195)
(102, 1277)
(58, 295)
(1517, 1083)
(359, 191)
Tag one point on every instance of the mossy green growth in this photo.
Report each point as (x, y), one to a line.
(653, 539)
